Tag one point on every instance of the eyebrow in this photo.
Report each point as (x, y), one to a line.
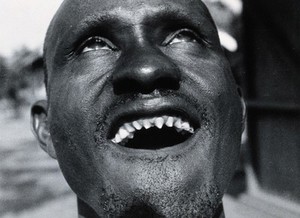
(95, 21)
(179, 17)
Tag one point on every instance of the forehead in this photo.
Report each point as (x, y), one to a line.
(129, 5)
(73, 12)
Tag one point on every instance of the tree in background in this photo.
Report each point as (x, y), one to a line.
(3, 76)
(19, 75)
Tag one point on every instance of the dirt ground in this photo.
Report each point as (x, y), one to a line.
(29, 178)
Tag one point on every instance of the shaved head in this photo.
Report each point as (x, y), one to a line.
(143, 114)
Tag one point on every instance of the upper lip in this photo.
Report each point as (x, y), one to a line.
(142, 108)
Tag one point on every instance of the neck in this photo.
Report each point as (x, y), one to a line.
(84, 211)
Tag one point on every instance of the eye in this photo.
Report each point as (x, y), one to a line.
(96, 43)
(182, 36)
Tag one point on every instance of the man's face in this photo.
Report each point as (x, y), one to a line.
(142, 107)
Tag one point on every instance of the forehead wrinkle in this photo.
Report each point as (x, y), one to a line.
(144, 15)
(120, 15)
(97, 20)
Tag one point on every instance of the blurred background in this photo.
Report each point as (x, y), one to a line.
(31, 184)
(261, 40)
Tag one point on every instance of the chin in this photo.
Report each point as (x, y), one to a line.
(204, 201)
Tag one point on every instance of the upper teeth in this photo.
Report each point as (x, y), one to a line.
(127, 130)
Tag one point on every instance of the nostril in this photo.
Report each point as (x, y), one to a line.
(168, 83)
(126, 85)
(129, 85)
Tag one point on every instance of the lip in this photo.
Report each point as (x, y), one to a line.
(156, 106)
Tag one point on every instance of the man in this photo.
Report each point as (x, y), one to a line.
(143, 114)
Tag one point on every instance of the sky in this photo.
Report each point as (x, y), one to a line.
(24, 23)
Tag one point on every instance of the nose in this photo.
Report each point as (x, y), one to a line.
(144, 70)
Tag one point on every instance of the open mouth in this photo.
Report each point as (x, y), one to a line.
(154, 132)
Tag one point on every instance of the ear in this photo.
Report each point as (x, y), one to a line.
(243, 104)
(40, 127)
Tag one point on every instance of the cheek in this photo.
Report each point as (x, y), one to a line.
(67, 104)
(204, 70)
(229, 135)
(72, 111)
(69, 118)
(211, 83)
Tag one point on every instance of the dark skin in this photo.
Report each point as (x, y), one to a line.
(112, 62)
